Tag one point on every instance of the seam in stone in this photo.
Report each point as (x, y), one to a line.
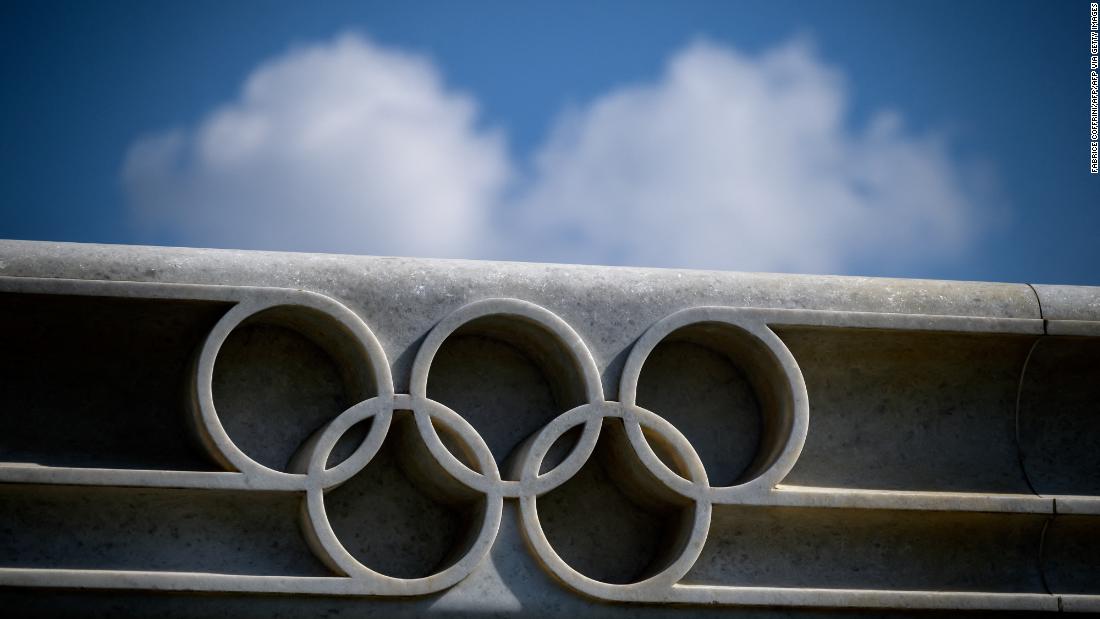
(1042, 559)
(1041, 550)
(1039, 302)
(1019, 395)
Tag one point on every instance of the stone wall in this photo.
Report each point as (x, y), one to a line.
(199, 432)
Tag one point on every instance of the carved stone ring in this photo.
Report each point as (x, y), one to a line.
(353, 343)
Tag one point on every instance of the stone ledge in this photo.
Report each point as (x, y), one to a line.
(468, 437)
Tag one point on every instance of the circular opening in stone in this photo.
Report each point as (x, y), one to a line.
(509, 377)
(403, 515)
(726, 392)
(283, 373)
(613, 521)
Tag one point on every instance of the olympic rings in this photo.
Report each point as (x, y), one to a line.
(342, 333)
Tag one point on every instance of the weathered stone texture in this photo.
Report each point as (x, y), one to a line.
(350, 436)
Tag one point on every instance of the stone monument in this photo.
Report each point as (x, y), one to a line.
(220, 433)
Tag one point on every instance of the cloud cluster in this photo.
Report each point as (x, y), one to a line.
(726, 161)
(343, 147)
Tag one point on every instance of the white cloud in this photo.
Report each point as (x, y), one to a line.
(726, 161)
(339, 147)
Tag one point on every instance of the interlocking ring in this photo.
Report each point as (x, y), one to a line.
(775, 374)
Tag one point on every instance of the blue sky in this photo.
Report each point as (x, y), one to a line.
(913, 139)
